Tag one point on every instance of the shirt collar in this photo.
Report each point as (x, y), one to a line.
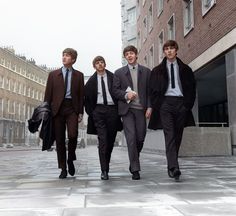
(133, 67)
(104, 75)
(65, 68)
(169, 63)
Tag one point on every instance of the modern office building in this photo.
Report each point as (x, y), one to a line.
(206, 34)
(129, 30)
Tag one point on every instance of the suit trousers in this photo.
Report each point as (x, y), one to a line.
(134, 124)
(66, 119)
(173, 115)
(105, 119)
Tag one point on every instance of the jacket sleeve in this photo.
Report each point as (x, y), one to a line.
(81, 95)
(153, 91)
(118, 93)
(148, 89)
(192, 90)
(48, 90)
(87, 100)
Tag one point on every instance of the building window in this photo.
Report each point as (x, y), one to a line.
(24, 91)
(151, 57)
(2, 61)
(160, 4)
(6, 84)
(41, 96)
(188, 16)
(1, 107)
(207, 5)
(138, 8)
(33, 95)
(150, 18)
(1, 82)
(20, 88)
(171, 28)
(145, 29)
(15, 88)
(28, 112)
(24, 112)
(11, 107)
(28, 93)
(144, 1)
(160, 45)
(145, 61)
(132, 16)
(37, 95)
(139, 40)
(132, 41)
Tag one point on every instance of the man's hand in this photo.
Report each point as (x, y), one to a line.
(80, 118)
(148, 113)
(131, 95)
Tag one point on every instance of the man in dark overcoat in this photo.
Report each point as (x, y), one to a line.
(101, 107)
(172, 93)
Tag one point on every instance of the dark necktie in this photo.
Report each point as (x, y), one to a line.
(66, 80)
(104, 94)
(172, 75)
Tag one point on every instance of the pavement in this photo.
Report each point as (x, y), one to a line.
(29, 186)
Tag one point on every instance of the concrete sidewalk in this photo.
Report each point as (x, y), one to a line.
(29, 186)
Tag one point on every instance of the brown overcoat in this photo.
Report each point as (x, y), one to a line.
(55, 91)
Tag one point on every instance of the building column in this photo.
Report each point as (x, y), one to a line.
(230, 61)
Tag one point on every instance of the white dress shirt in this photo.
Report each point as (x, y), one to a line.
(100, 97)
(177, 91)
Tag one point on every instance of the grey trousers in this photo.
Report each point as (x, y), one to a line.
(134, 125)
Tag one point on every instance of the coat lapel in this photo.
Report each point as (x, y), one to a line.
(128, 75)
(61, 79)
(74, 80)
(140, 80)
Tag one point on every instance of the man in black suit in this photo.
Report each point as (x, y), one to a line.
(172, 92)
(101, 107)
(130, 87)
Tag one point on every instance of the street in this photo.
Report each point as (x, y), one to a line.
(29, 186)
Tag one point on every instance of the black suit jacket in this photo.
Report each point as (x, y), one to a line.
(158, 86)
(91, 92)
(122, 80)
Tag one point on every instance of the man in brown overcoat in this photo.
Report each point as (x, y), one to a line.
(64, 93)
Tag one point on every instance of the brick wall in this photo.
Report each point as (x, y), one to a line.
(208, 29)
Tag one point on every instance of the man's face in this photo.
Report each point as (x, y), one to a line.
(100, 66)
(131, 57)
(67, 59)
(170, 52)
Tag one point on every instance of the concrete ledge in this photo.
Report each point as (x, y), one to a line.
(206, 141)
(197, 141)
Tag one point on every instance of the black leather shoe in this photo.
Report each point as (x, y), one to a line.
(176, 174)
(104, 175)
(63, 174)
(71, 168)
(170, 173)
(136, 175)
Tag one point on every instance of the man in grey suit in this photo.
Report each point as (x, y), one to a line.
(130, 87)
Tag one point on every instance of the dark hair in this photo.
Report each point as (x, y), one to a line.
(98, 58)
(130, 48)
(71, 52)
(170, 43)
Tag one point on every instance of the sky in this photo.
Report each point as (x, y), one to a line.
(42, 29)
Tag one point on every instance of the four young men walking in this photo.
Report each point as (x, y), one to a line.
(164, 95)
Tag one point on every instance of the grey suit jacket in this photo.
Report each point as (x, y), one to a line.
(122, 80)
